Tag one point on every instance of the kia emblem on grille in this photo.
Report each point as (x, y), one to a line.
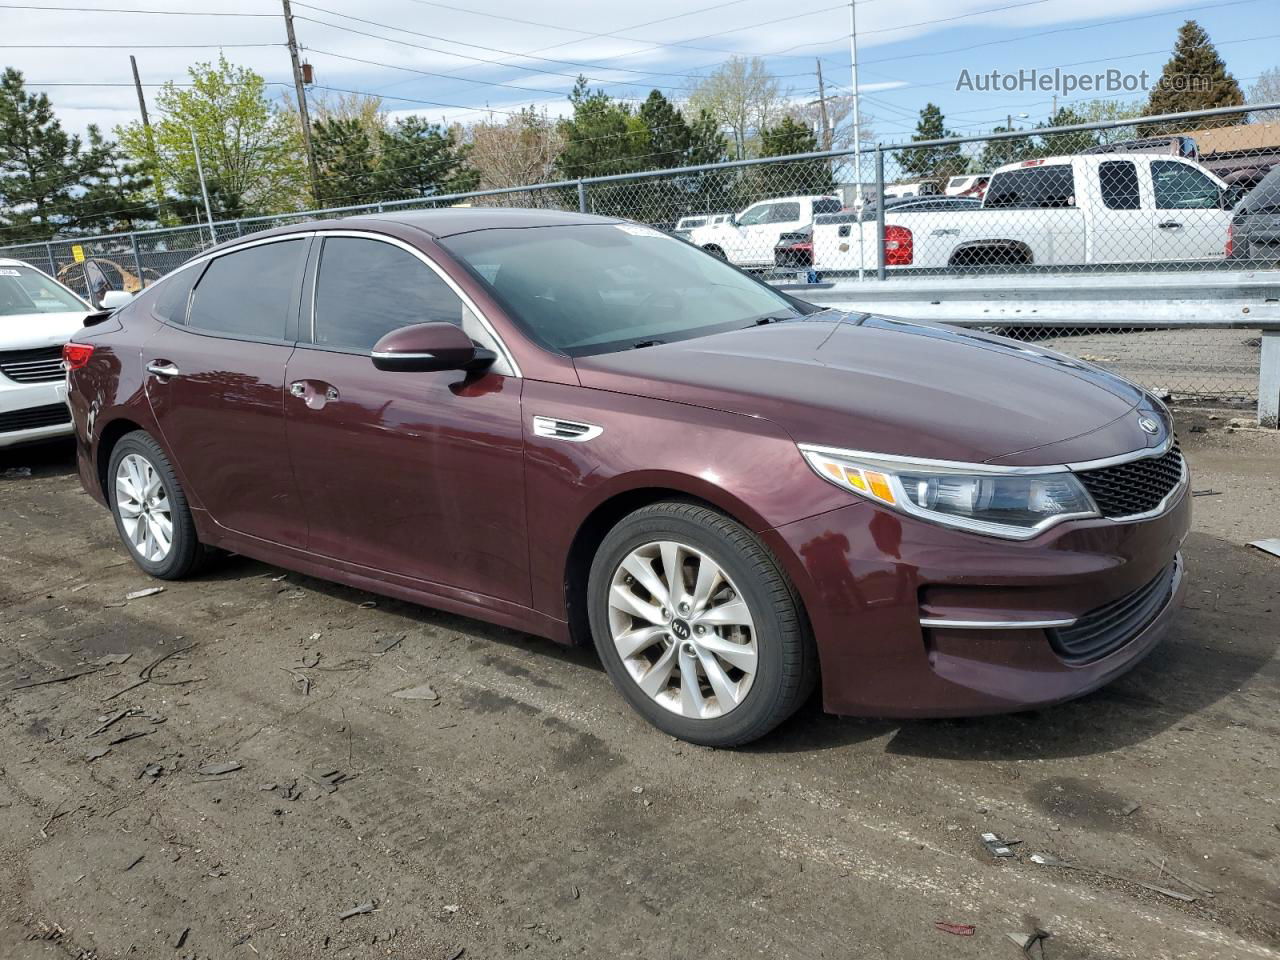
(1149, 425)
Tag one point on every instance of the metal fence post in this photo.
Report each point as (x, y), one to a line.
(239, 229)
(53, 264)
(137, 261)
(582, 197)
(1269, 380)
(880, 270)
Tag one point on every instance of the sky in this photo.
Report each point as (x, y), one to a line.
(462, 59)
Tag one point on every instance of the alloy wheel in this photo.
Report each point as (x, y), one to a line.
(683, 631)
(143, 505)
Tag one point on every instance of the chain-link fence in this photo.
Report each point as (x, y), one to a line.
(1185, 192)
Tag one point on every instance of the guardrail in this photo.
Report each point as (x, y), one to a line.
(1184, 334)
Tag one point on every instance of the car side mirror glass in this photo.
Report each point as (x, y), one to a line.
(425, 347)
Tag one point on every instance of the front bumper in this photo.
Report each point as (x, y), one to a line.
(32, 411)
(916, 620)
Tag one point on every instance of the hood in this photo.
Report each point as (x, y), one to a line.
(891, 386)
(28, 331)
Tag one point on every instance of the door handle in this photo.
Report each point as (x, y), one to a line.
(162, 368)
(1170, 225)
(297, 388)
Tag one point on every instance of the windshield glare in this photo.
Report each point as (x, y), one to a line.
(585, 289)
(23, 290)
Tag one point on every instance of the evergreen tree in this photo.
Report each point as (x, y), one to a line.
(1195, 78)
(669, 137)
(41, 165)
(602, 137)
(932, 163)
(782, 139)
(996, 153)
(344, 154)
(117, 191)
(1062, 144)
(419, 159)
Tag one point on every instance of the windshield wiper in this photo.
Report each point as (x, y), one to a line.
(646, 343)
(761, 321)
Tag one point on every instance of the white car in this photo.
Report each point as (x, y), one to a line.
(37, 316)
(687, 225)
(1128, 208)
(747, 240)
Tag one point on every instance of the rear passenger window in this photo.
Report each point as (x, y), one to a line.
(827, 205)
(172, 295)
(367, 288)
(250, 293)
(1119, 180)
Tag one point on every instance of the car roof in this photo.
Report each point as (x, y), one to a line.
(454, 220)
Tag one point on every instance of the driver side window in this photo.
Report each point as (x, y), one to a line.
(758, 214)
(1182, 187)
(367, 288)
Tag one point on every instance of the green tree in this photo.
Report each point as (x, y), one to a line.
(1195, 78)
(932, 163)
(117, 194)
(419, 159)
(42, 167)
(744, 98)
(251, 150)
(345, 157)
(996, 153)
(1063, 144)
(602, 137)
(784, 138)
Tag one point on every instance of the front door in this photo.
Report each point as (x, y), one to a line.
(418, 475)
(1121, 228)
(215, 379)
(1190, 223)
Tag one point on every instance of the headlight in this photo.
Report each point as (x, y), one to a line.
(1012, 502)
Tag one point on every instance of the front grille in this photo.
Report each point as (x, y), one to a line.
(1108, 628)
(32, 366)
(29, 419)
(1138, 486)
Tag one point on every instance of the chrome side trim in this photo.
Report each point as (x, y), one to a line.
(945, 624)
(389, 355)
(896, 464)
(571, 431)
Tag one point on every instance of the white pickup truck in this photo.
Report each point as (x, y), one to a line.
(1078, 210)
(748, 238)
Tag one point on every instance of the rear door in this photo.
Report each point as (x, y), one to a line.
(1120, 224)
(417, 475)
(1190, 223)
(215, 380)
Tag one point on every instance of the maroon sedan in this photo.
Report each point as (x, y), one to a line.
(585, 429)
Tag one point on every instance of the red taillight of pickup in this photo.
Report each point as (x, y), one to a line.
(899, 247)
(1231, 240)
(76, 355)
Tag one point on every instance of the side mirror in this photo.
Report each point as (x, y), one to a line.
(1232, 194)
(114, 299)
(425, 347)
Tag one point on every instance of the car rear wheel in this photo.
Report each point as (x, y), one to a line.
(150, 509)
(698, 626)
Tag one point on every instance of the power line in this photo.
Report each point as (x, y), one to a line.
(43, 8)
(132, 46)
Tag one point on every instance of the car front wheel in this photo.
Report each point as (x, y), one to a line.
(698, 626)
(150, 509)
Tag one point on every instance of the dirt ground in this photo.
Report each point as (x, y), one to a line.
(527, 812)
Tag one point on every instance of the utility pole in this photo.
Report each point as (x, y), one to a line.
(857, 133)
(822, 108)
(208, 211)
(151, 143)
(303, 115)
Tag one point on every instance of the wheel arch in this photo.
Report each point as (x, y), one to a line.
(992, 253)
(616, 503)
(111, 434)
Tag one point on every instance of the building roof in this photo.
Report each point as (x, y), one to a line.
(1242, 136)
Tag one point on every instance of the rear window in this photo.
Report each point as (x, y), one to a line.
(1033, 188)
(250, 293)
(172, 294)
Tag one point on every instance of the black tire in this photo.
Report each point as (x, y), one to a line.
(186, 554)
(787, 660)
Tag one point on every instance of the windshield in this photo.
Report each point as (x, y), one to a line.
(23, 290)
(597, 288)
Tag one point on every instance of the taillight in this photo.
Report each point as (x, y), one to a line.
(1231, 240)
(76, 355)
(899, 247)
(803, 245)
